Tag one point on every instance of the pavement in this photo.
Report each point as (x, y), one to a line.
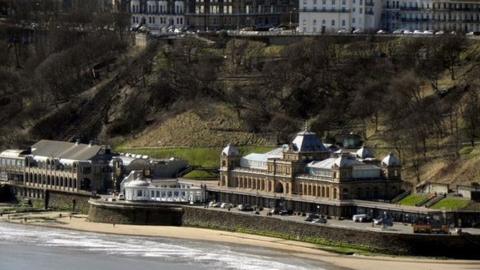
(398, 227)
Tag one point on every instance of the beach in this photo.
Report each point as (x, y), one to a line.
(293, 248)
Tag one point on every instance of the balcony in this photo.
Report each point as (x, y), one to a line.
(325, 10)
(369, 3)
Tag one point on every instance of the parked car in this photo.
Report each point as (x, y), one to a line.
(378, 221)
(427, 32)
(121, 197)
(312, 217)
(226, 205)
(357, 31)
(381, 32)
(274, 211)
(245, 207)
(418, 32)
(214, 204)
(398, 32)
(320, 220)
(361, 218)
(407, 32)
(439, 32)
(342, 31)
(285, 212)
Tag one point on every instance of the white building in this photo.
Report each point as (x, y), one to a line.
(320, 16)
(434, 15)
(137, 186)
(158, 15)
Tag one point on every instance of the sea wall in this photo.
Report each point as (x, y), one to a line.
(464, 246)
(130, 213)
(384, 242)
(68, 201)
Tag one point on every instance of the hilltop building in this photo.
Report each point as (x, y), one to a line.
(319, 16)
(306, 170)
(167, 15)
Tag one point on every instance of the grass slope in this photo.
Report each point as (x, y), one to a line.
(451, 203)
(412, 199)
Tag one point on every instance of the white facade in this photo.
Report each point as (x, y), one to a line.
(320, 16)
(158, 15)
(136, 187)
(434, 15)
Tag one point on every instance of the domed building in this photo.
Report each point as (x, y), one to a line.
(306, 170)
(139, 186)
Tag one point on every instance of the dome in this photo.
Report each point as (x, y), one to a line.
(364, 153)
(390, 160)
(230, 150)
(307, 141)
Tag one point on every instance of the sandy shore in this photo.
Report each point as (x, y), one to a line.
(295, 248)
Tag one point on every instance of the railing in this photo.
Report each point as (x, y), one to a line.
(325, 10)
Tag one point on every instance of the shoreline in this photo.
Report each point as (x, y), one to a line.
(294, 248)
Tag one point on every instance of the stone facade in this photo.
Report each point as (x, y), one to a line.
(307, 168)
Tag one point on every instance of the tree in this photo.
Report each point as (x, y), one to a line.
(471, 116)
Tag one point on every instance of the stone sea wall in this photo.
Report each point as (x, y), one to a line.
(455, 246)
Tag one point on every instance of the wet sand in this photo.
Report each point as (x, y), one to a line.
(294, 248)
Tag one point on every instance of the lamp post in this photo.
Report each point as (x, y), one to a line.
(290, 23)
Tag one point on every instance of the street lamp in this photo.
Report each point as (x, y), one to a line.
(291, 11)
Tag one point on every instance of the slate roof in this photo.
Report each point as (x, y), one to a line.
(307, 141)
(65, 150)
(391, 160)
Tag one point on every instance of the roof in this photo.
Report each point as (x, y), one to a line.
(364, 153)
(65, 150)
(230, 150)
(307, 141)
(12, 153)
(391, 160)
(342, 161)
(256, 157)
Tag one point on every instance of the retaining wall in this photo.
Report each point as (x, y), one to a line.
(465, 246)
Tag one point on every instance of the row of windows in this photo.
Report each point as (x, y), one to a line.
(11, 162)
(459, 6)
(333, 2)
(51, 180)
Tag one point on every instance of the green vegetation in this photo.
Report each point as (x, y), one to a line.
(413, 199)
(201, 175)
(451, 203)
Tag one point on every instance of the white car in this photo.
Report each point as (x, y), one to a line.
(342, 31)
(398, 32)
(417, 32)
(439, 32)
(427, 32)
(469, 34)
(357, 31)
(407, 32)
(361, 218)
(381, 32)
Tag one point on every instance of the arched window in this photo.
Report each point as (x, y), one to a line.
(278, 187)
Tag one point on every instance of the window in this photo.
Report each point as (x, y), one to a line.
(353, 20)
(343, 22)
(333, 2)
(139, 193)
(360, 10)
(333, 22)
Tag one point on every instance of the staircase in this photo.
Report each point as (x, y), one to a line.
(400, 196)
